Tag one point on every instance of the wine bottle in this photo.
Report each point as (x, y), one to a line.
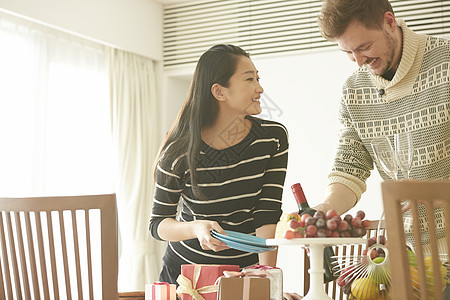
(328, 254)
(300, 197)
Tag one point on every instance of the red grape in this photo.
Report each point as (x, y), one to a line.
(363, 231)
(345, 234)
(371, 241)
(337, 218)
(373, 254)
(348, 218)
(382, 240)
(302, 223)
(288, 234)
(319, 214)
(343, 226)
(320, 223)
(311, 230)
(321, 233)
(332, 224)
(361, 214)
(331, 213)
(335, 234)
(356, 222)
(357, 232)
(310, 221)
(366, 223)
(329, 224)
(294, 224)
(305, 216)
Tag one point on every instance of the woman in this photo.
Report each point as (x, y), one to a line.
(225, 167)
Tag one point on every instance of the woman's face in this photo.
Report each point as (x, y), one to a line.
(243, 94)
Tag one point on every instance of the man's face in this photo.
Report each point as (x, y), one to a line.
(375, 48)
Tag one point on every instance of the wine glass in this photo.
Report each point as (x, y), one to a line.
(404, 152)
(385, 155)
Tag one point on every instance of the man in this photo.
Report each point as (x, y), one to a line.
(402, 85)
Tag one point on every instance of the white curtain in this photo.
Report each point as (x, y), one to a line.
(54, 112)
(136, 137)
(55, 134)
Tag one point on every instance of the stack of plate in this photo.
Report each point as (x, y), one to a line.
(243, 242)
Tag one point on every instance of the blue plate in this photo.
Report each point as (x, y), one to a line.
(247, 248)
(241, 238)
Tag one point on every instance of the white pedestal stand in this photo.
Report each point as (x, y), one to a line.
(316, 246)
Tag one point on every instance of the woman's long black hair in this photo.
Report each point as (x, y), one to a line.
(200, 108)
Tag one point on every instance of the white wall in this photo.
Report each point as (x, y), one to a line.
(132, 25)
(307, 90)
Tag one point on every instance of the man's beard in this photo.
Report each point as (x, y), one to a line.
(389, 72)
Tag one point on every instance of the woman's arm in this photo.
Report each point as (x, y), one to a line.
(169, 185)
(172, 230)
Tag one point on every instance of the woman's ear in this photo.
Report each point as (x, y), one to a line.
(217, 92)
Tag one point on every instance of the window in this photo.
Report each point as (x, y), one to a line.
(55, 136)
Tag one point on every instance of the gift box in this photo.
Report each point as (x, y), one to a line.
(197, 282)
(275, 276)
(244, 288)
(160, 291)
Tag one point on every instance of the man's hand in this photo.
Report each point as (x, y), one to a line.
(338, 197)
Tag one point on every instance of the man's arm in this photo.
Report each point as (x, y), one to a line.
(338, 197)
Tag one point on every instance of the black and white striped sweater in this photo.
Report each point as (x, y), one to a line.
(243, 185)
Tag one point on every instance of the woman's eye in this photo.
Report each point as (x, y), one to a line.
(250, 79)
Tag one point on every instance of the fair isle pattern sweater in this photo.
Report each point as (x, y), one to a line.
(242, 184)
(416, 100)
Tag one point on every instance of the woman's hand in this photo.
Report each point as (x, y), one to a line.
(292, 296)
(202, 230)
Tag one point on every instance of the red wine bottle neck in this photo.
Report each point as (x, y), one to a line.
(299, 197)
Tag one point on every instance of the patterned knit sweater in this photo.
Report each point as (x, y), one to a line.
(416, 100)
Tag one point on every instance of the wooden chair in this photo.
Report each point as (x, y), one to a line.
(429, 207)
(132, 296)
(58, 247)
(331, 288)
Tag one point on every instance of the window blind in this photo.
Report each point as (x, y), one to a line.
(268, 27)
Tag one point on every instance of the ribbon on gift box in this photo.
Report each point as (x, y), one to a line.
(253, 273)
(276, 279)
(160, 283)
(187, 286)
(261, 267)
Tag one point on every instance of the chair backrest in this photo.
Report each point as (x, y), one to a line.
(132, 295)
(58, 247)
(422, 228)
(331, 288)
